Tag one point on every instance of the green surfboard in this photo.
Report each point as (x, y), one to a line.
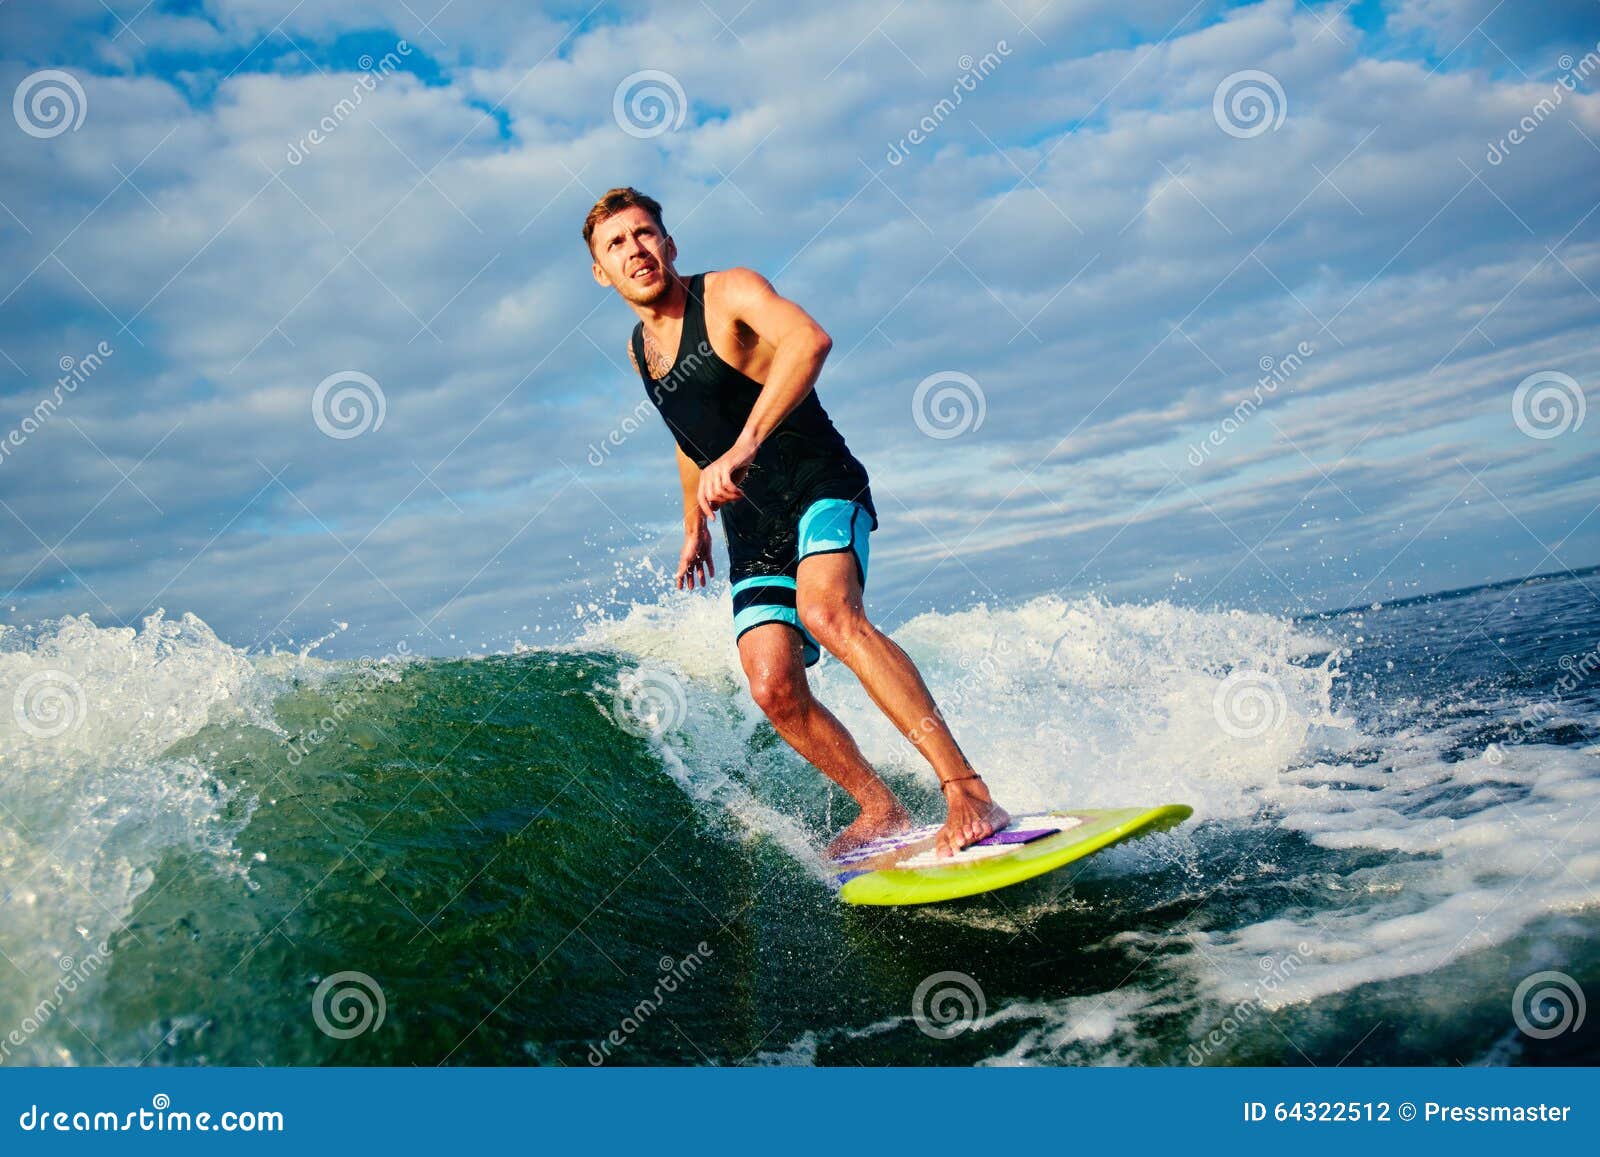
(905, 869)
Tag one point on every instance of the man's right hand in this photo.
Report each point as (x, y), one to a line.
(695, 561)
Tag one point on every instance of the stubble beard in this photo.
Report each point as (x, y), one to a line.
(636, 294)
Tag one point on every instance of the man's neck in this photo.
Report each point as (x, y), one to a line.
(669, 306)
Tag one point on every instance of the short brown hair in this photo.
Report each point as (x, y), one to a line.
(615, 201)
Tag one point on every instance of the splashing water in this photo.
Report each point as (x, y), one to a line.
(1389, 835)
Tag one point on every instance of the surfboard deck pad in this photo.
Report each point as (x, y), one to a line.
(906, 869)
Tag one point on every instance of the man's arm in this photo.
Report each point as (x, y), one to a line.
(689, 475)
(694, 561)
(800, 347)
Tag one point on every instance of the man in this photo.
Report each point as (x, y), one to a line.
(730, 365)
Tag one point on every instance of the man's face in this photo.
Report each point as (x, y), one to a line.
(633, 256)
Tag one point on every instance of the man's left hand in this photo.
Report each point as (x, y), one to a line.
(719, 482)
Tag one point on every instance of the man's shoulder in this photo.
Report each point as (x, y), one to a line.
(730, 293)
(738, 279)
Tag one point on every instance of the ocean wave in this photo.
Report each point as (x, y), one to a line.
(90, 797)
(1359, 828)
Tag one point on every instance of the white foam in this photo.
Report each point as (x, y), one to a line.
(89, 798)
(1448, 886)
(1526, 849)
(1062, 1029)
(1056, 703)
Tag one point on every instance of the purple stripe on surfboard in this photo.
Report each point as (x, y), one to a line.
(879, 847)
(1010, 837)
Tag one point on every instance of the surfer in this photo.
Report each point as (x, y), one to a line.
(730, 364)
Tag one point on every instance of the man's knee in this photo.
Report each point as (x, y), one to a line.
(836, 625)
(779, 693)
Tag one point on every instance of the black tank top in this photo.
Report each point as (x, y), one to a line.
(705, 402)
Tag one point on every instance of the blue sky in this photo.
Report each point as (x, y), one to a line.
(1096, 248)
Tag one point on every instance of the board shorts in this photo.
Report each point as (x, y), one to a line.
(827, 526)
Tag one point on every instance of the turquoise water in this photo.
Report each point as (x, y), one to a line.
(601, 853)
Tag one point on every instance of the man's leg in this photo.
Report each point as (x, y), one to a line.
(770, 655)
(828, 598)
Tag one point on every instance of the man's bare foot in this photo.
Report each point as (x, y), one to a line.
(887, 820)
(973, 816)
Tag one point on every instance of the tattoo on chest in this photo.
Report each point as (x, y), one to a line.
(657, 360)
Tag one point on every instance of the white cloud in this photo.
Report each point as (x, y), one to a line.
(1080, 236)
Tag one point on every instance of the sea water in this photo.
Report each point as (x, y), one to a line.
(601, 853)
